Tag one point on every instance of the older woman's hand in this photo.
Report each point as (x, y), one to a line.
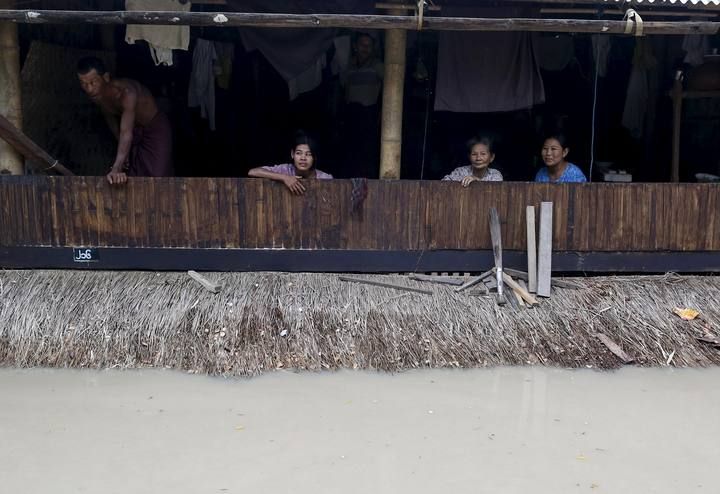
(466, 181)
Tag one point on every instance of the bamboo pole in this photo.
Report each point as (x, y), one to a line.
(22, 144)
(10, 160)
(354, 21)
(392, 105)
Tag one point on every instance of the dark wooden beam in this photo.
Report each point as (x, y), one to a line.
(348, 261)
(236, 19)
(613, 5)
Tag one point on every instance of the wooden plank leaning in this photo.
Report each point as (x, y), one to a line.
(524, 294)
(496, 237)
(545, 250)
(531, 249)
(27, 147)
(475, 281)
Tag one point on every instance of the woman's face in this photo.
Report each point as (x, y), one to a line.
(303, 158)
(553, 153)
(480, 156)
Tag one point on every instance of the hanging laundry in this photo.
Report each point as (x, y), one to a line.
(636, 101)
(162, 39)
(201, 91)
(224, 65)
(601, 52)
(308, 80)
(295, 53)
(487, 72)
(341, 58)
(695, 46)
(553, 52)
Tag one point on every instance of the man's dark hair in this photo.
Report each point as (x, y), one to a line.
(88, 64)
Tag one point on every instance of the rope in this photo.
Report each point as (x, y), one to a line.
(52, 166)
(592, 127)
(428, 94)
(633, 20)
(419, 12)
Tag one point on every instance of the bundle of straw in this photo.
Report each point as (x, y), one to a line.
(265, 321)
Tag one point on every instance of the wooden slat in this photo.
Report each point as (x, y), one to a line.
(545, 249)
(531, 249)
(397, 215)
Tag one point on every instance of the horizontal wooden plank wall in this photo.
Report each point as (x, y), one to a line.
(397, 215)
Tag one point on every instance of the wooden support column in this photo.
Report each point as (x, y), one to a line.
(10, 160)
(392, 107)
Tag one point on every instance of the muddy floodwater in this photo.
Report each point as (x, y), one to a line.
(507, 430)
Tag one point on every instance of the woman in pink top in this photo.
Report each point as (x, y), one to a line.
(302, 167)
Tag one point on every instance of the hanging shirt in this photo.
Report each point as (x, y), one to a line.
(161, 39)
(201, 90)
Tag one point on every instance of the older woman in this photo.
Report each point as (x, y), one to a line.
(557, 168)
(304, 157)
(481, 154)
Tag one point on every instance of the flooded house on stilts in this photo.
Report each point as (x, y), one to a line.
(91, 268)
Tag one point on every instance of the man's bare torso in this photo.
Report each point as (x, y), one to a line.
(111, 100)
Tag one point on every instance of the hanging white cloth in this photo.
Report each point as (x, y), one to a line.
(308, 80)
(636, 101)
(162, 39)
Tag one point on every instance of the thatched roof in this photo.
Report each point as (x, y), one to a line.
(264, 321)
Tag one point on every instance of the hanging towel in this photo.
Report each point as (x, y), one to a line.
(162, 39)
(636, 101)
(201, 91)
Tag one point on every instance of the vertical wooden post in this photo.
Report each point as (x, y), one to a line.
(544, 277)
(677, 98)
(10, 160)
(531, 248)
(392, 107)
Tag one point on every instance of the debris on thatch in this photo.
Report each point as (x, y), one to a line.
(266, 321)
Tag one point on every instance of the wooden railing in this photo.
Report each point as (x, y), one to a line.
(397, 215)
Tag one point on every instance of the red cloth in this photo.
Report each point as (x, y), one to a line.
(151, 150)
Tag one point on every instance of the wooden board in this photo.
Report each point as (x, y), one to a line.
(545, 249)
(531, 249)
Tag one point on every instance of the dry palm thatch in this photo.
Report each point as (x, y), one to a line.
(265, 321)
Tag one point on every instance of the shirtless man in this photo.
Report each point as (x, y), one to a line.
(143, 132)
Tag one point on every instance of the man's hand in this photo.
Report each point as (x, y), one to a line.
(295, 185)
(117, 177)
